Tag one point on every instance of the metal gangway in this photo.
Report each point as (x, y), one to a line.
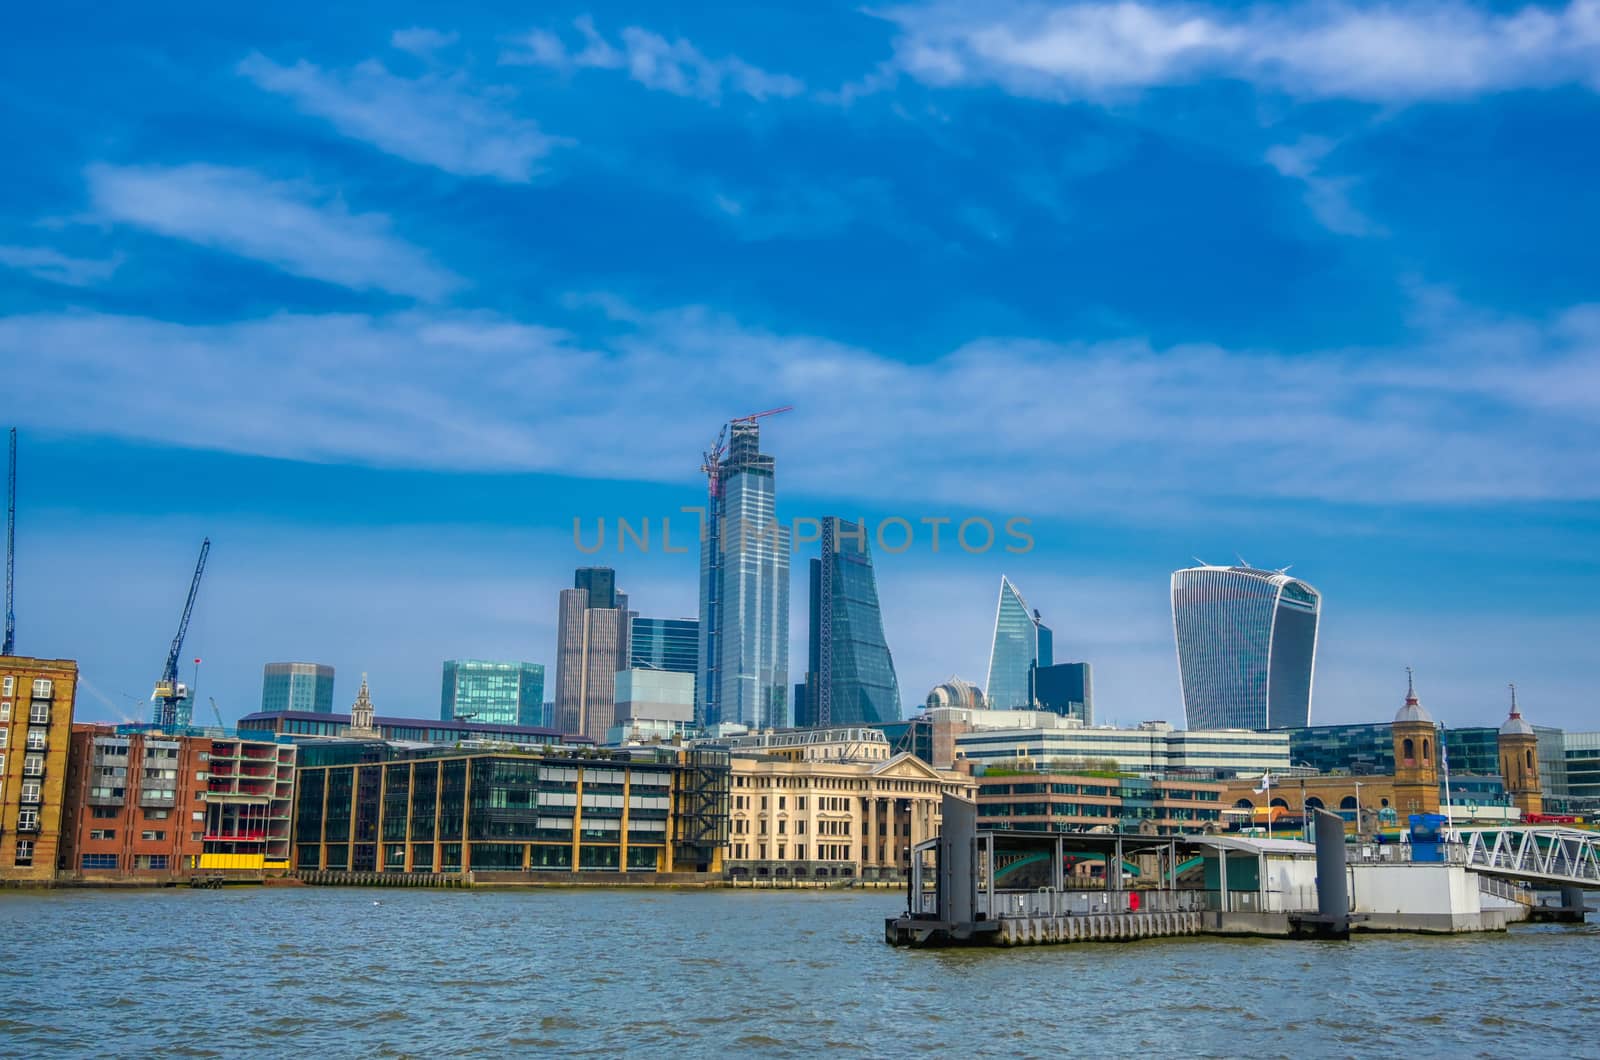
(1545, 854)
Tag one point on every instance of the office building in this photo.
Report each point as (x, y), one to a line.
(832, 805)
(850, 677)
(370, 806)
(1040, 739)
(297, 686)
(36, 701)
(1367, 749)
(1247, 646)
(654, 695)
(1053, 801)
(1066, 689)
(744, 590)
(1021, 642)
(152, 804)
(671, 644)
(308, 727)
(594, 627)
(490, 693)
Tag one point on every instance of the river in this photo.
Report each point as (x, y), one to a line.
(347, 972)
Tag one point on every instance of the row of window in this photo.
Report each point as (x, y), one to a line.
(43, 687)
(38, 713)
(825, 851)
(111, 861)
(35, 740)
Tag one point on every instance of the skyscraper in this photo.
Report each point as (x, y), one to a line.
(744, 589)
(592, 636)
(671, 644)
(1247, 645)
(492, 693)
(1066, 689)
(297, 686)
(850, 676)
(1021, 642)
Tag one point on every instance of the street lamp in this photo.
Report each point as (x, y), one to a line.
(1358, 809)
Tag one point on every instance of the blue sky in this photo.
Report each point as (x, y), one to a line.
(383, 299)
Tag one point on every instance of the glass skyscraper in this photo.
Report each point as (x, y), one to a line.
(744, 591)
(1247, 646)
(492, 693)
(850, 674)
(1021, 642)
(297, 686)
(1066, 689)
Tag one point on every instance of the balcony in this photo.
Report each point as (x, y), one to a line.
(158, 797)
(28, 824)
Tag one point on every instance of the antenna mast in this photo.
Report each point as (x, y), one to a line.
(10, 646)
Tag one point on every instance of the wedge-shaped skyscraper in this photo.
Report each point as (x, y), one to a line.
(850, 678)
(1021, 642)
(1247, 647)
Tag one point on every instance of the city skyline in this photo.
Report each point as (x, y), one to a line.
(401, 298)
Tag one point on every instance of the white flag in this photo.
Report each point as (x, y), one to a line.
(1266, 783)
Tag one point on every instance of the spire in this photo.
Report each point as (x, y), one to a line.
(1515, 713)
(361, 712)
(1516, 725)
(1413, 709)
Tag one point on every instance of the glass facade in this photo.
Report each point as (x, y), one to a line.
(297, 686)
(365, 807)
(1247, 642)
(1066, 689)
(1021, 642)
(849, 659)
(744, 592)
(492, 693)
(671, 644)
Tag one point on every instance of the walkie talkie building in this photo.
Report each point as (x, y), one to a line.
(1247, 647)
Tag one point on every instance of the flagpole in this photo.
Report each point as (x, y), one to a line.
(1444, 757)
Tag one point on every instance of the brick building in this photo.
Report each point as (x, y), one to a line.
(36, 700)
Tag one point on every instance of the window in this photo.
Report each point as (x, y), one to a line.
(30, 791)
(150, 834)
(7, 684)
(157, 815)
(99, 861)
(33, 766)
(150, 861)
(24, 852)
(42, 687)
(27, 820)
(194, 837)
(5, 710)
(102, 833)
(36, 739)
(4, 735)
(105, 813)
(39, 714)
(198, 816)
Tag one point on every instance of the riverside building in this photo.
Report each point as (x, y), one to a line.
(374, 806)
(1063, 801)
(820, 804)
(304, 726)
(1037, 739)
(153, 804)
(36, 701)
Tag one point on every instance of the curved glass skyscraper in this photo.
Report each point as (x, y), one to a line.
(1247, 647)
(1021, 642)
(850, 678)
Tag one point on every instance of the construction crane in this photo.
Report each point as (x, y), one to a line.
(215, 710)
(712, 457)
(169, 690)
(10, 646)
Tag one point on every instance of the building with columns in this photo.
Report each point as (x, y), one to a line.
(823, 810)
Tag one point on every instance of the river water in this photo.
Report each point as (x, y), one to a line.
(347, 972)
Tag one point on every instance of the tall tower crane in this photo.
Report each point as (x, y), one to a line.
(169, 690)
(10, 646)
(712, 458)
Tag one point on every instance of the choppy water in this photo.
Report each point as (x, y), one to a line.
(420, 973)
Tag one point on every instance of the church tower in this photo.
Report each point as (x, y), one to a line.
(1519, 761)
(361, 713)
(1416, 770)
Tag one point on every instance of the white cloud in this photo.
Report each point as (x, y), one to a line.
(49, 264)
(421, 41)
(293, 227)
(674, 66)
(1472, 411)
(435, 119)
(1376, 52)
(1328, 197)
